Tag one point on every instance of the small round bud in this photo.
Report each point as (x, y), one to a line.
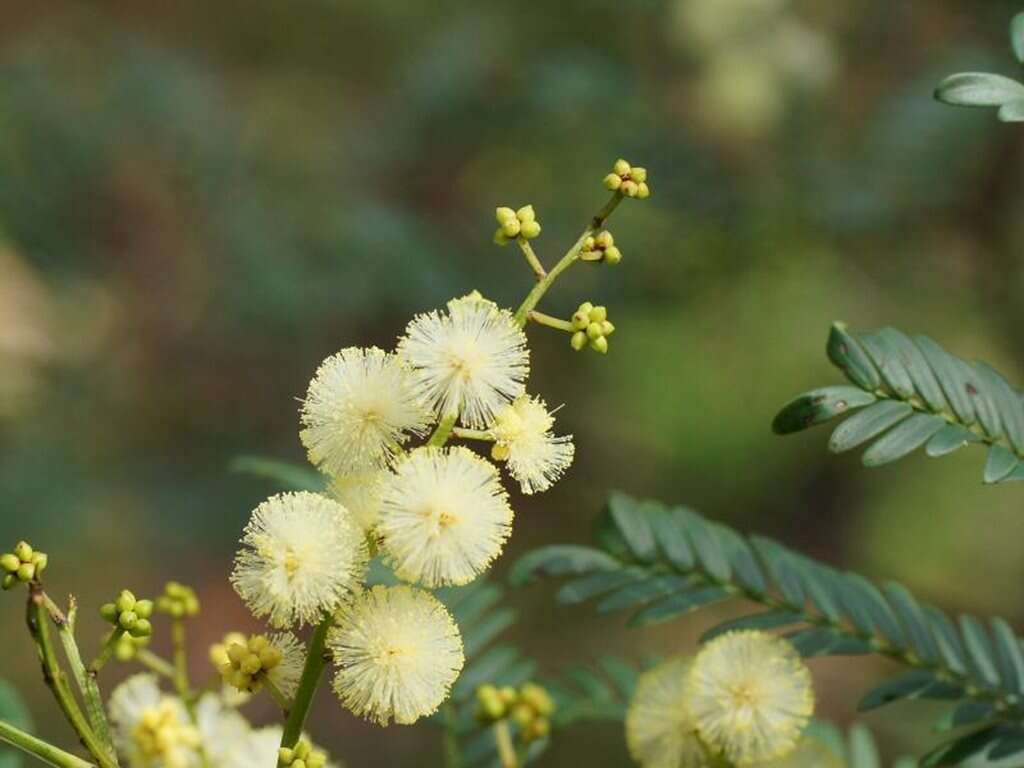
(40, 560)
(594, 331)
(8, 581)
(642, 191)
(511, 227)
(538, 698)
(144, 609)
(23, 551)
(630, 188)
(539, 729)
(598, 314)
(600, 344)
(509, 695)
(499, 237)
(638, 174)
(526, 213)
(285, 755)
(621, 167)
(588, 243)
(26, 572)
(504, 214)
(141, 628)
(530, 229)
(500, 452)
(125, 602)
(578, 340)
(10, 563)
(612, 182)
(604, 240)
(607, 329)
(580, 320)
(127, 619)
(109, 612)
(522, 715)
(612, 255)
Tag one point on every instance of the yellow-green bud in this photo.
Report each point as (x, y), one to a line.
(109, 612)
(491, 707)
(612, 182)
(23, 551)
(285, 755)
(503, 214)
(539, 729)
(630, 188)
(144, 608)
(530, 229)
(141, 628)
(607, 329)
(509, 695)
(125, 601)
(522, 715)
(604, 240)
(588, 243)
(26, 572)
(594, 331)
(500, 452)
(526, 213)
(621, 167)
(511, 227)
(590, 255)
(10, 563)
(578, 340)
(127, 619)
(9, 581)
(600, 344)
(580, 320)
(40, 560)
(538, 698)
(612, 255)
(598, 314)
(638, 175)
(499, 237)
(642, 191)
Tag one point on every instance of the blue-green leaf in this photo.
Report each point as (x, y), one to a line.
(978, 89)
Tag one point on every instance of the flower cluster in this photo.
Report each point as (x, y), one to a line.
(129, 614)
(248, 663)
(530, 708)
(178, 601)
(629, 180)
(591, 327)
(512, 224)
(746, 698)
(21, 566)
(155, 729)
(601, 247)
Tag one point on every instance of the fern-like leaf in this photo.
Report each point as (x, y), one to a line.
(672, 561)
(908, 393)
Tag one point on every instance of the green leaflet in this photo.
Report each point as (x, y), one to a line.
(912, 393)
(683, 562)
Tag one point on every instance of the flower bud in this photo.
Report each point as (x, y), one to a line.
(26, 572)
(23, 551)
(638, 175)
(511, 227)
(607, 329)
(630, 188)
(604, 240)
(522, 715)
(642, 191)
(141, 628)
(612, 182)
(109, 612)
(530, 229)
(40, 560)
(499, 237)
(600, 344)
(612, 255)
(580, 319)
(621, 167)
(144, 609)
(578, 340)
(504, 214)
(598, 314)
(10, 563)
(8, 581)
(526, 213)
(500, 452)
(594, 331)
(125, 602)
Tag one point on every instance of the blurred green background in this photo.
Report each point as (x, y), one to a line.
(199, 201)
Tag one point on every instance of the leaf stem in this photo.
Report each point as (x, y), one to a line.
(571, 256)
(42, 750)
(531, 258)
(316, 661)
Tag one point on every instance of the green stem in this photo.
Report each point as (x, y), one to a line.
(42, 750)
(551, 322)
(443, 431)
(106, 652)
(85, 679)
(279, 698)
(154, 663)
(316, 661)
(506, 749)
(571, 256)
(473, 434)
(452, 753)
(56, 680)
(531, 258)
(181, 681)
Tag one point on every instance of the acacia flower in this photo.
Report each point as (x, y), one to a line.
(660, 731)
(751, 696)
(246, 663)
(398, 651)
(536, 458)
(301, 554)
(151, 728)
(469, 361)
(221, 730)
(360, 494)
(359, 410)
(444, 517)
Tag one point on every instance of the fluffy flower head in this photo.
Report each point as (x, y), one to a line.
(398, 651)
(660, 732)
(358, 411)
(444, 517)
(247, 663)
(536, 458)
(751, 696)
(152, 729)
(471, 360)
(360, 494)
(301, 554)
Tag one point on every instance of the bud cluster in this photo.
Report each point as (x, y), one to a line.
(243, 662)
(129, 614)
(530, 708)
(591, 327)
(630, 181)
(512, 224)
(21, 566)
(128, 647)
(601, 247)
(178, 601)
(303, 755)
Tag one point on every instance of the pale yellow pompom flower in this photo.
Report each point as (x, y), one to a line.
(359, 410)
(751, 696)
(248, 663)
(398, 652)
(470, 360)
(301, 554)
(444, 517)
(153, 729)
(523, 438)
(360, 494)
(660, 731)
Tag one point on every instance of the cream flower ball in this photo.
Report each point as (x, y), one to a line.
(398, 651)
(660, 731)
(301, 554)
(444, 517)
(535, 457)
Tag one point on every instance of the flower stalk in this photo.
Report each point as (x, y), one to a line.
(39, 749)
(316, 662)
